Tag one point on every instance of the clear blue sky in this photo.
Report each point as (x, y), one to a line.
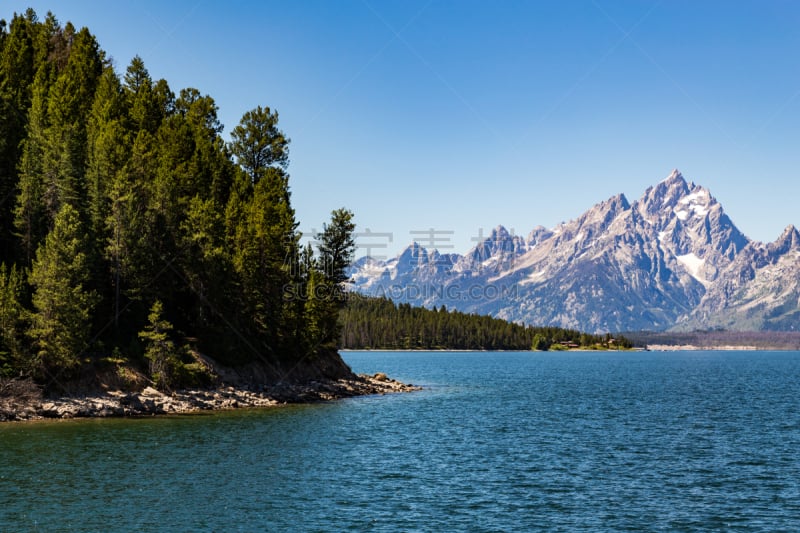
(462, 115)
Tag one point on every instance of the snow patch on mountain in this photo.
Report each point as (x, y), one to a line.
(681, 214)
(693, 265)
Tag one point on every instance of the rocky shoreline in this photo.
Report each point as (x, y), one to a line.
(149, 401)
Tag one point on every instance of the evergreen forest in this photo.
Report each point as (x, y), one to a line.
(133, 235)
(379, 323)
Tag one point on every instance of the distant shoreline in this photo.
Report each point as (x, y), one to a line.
(649, 348)
(717, 340)
(423, 350)
(692, 348)
(445, 350)
(719, 348)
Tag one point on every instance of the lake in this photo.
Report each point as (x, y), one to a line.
(496, 442)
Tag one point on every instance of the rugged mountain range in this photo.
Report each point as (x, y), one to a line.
(670, 260)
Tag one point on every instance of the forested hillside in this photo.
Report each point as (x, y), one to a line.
(381, 324)
(132, 234)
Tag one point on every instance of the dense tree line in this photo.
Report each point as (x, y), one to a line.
(379, 323)
(130, 229)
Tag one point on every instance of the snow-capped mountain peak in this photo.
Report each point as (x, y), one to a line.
(673, 258)
(674, 176)
(662, 200)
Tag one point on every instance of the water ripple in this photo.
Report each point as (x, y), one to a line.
(496, 442)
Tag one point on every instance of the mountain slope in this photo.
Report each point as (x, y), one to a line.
(673, 258)
(760, 290)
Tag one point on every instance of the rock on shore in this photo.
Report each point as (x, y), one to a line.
(31, 406)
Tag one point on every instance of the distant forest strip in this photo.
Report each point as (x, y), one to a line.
(379, 323)
(760, 340)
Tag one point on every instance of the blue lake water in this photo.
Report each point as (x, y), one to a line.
(495, 442)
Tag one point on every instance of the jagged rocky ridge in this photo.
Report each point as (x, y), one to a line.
(670, 260)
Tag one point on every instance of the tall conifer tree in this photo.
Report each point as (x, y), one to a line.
(62, 304)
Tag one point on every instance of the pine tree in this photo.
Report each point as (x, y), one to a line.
(149, 103)
(320, 323)
(209, 172)
(265, 245)
(337, 246)
(30, 212)
(261, 225)
(16, 77)
(62, 305)
(258, 144)
(205, 264)
(130, 230)
(69, 102)
(326, 294)
(13, 322)
(108, 148)
(160, 350)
